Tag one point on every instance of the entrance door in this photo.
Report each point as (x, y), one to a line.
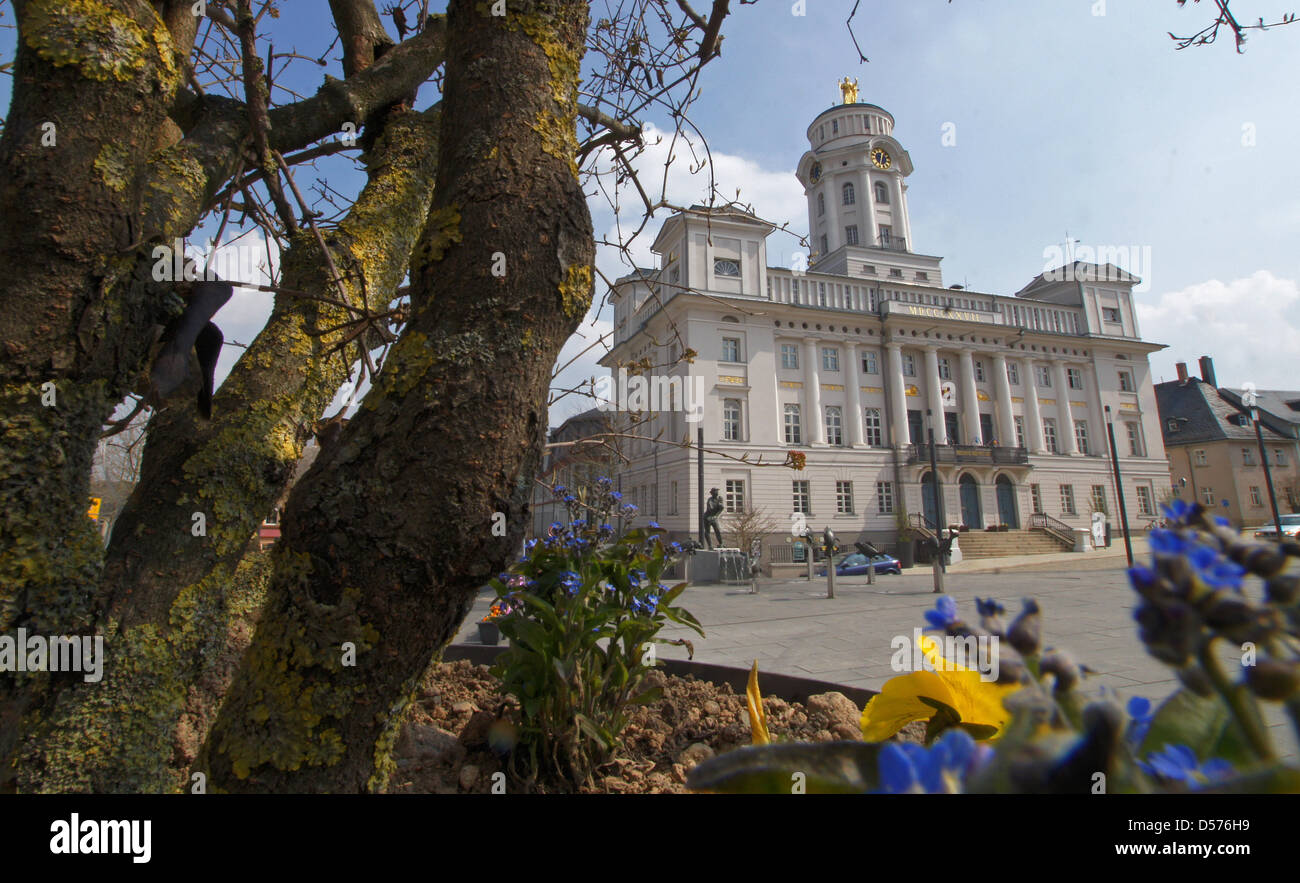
(950, 420)
(1007, 503)
(971, 515)
(986, 429)
(928, 504)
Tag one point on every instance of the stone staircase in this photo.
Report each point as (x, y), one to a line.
(997, 544)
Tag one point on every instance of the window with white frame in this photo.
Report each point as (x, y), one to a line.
(1134, 439)
(825, 244)
(802, 497)
(789, 355)
(734, 498)
(731, 420)
(1081, 436)
(1098, 498)
(731, 349)
(1020, 431)
(726, 267)
(909, 365)
(945, 369)
(849, 195)
(844, 497)
(1067, 499)
(1199, 458)
(1279, 457)
(1207, 495)
(882, 193)
(1126, 382)
(885, 497)
(1110, 314)
(1075, 378)
(834, 425)
(851, 234)
(1247, 457)
(1144, 501)
(1255, 498)
(1043, 375)
(869, 363)
(871, 422)
(793, 425)
(1049, 434)
(979, 371)
(1036, 499)
(830, 358)
(1013, 373)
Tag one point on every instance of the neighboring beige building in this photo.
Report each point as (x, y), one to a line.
(1214, 452)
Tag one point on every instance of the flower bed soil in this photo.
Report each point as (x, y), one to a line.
(443, 747)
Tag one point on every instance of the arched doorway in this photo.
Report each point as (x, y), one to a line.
(1007, 513)
(971, 514)
(929, 509)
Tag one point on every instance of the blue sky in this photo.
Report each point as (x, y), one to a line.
(1065, 120)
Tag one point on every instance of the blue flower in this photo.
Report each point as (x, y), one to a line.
(570, 582)
(605, 528)
(675, 547)
(604, 481)
(1214, 569)
(1177, 510)
(529, 544)
(1142, 578)
(570, 499)
(909, 768)
(1178, 763)
(556, 527)
(629, 510)
(989, 607)
(653, 524)
(944, 613)
(615, 496)
(559, 490)
(1221, 521)
(1139, 709)
(636, 577)
(1166, 542)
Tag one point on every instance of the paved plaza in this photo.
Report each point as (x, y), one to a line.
(792, 628)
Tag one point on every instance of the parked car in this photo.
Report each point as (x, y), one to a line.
(1290, 527)
(855, 564)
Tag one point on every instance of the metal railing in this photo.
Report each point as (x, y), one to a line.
(893, 243)
(968, 454)
(1048, 524)
(918, 523)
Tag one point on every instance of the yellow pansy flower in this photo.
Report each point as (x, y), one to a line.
(962, 689)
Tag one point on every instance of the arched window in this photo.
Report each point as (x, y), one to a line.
(848, 194)
(873, 427)
(882, 193)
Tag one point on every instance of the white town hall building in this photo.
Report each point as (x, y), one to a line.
(842, 363)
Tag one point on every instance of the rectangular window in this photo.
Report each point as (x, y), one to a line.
(1134, 440)
(851, 234)
(874, 435)
(734, 499)
(1098, 498)
(834, 425)
(885, 233)
(844, 497)
(1075, 377)
(731, 420)
(793, 425)
(830, 358)
(869, 365)
(1013, 374)
(1255, 498)
(1049, 434)
(1144, 501)
(1067, 499)
(909, 365)
(1110, 314)
(897, 274)
(672, 500)
(1199, 457)
(1036, 499)
(1207, 496)
(802, 498)
(885, 497)
(1044, 376)
(1020, 432)
(789, 355)
(945, 369)
(979, 371)
(1126, 382)
(1279, 457)
(731, 349)
(825, 244)
(1081, 436)
(1247, 457)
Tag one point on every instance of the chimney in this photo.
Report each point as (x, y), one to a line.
(1207, 371)
(1182, 371)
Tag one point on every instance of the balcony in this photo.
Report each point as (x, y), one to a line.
(973, 454)
(893, 243)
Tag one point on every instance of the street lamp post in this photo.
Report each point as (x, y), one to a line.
(1268, 473)
(1119, 487)
(938, 507)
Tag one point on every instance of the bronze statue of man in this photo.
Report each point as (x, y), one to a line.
(712, 511)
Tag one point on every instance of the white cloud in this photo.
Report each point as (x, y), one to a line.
(1250, 327)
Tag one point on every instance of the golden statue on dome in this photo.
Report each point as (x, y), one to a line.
(849, 91)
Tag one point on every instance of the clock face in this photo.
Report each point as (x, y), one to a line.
(880, 159)
(815, 172)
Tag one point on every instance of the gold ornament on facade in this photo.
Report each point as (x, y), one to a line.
(849, 91)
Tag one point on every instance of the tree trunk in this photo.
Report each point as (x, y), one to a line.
(455, 421)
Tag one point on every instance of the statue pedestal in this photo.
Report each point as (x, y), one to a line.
(719, 566)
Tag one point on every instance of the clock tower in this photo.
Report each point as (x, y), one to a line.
(857, 200)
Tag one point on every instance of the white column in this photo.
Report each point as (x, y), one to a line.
(1068, 443)
(855, 415)
(897, 394)
(812, 382)
(898, 220)
(970, 400)
(1002, 396)
(867, 227)
(934, 395)
(1096, 436)
(1033, 418)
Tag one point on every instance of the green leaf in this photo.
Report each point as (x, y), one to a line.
(827, 767)
(654, 694)
(1202, 723)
